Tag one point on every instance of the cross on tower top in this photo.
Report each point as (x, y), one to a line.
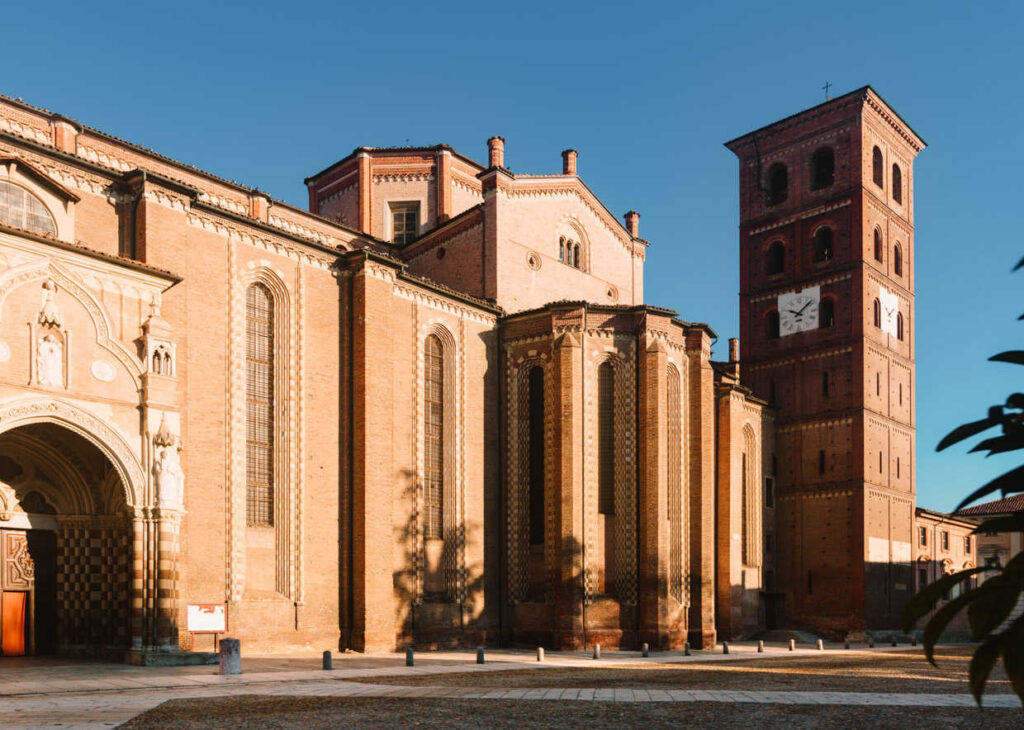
(826, 87)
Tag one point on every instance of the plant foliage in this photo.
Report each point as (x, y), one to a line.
(995, 609)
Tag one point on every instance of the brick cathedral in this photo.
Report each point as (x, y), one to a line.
(434, 409)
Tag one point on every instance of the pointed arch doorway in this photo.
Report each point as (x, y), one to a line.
(65, 543)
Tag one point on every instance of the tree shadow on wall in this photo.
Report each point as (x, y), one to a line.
(439, 589)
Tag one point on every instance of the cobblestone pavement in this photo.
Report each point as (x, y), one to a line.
(104, 695)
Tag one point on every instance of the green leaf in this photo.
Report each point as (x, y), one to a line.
(1013, 663)
(981, 666)
(966, 431)
(996, 598)
(1007, 523)
(1011, 481)
(1000, 444)
(934, 628)
(925, 599)
(1015, 357)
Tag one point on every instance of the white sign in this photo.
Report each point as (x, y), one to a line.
(207, 618)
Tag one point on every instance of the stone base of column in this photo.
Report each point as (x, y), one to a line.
(152, 658)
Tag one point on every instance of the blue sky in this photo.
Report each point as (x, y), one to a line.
(268, 93)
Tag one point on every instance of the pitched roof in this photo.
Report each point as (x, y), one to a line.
(998, 507)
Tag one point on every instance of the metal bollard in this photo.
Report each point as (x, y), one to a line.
(686, 649)
(328, 663)
(821, 645)
(597, 651)
(230, 656)
(540, 653)
(480, 655)
(792, 644)
(725, 647)
(894, 639)
(760, 647)
(846, 644)
(410, 659)
(871, 642)
(645, 649)
(913, 640)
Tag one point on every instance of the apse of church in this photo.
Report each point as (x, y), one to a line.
(435, 411)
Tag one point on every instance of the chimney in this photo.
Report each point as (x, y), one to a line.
(496, 149)
(734, 350)
(569, 162)
(633, 223)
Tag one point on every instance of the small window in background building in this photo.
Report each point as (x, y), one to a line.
(821, 462)
(823, 244)
(561, 248)
(827, 313)
(771, 324)
(897, 260)
(945, 540)
(405, 222)
(776, 258)
(922, 536)
(823, 168)
(878, 245)
(777, 184)
(899, 326)
(967, 544)
(877, 167)
(769, 492)
(878, 313)
(897, 184)
(824, 384)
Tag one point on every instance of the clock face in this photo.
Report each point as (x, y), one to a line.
(798, 311)
(890, 308)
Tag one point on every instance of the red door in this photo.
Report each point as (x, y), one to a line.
(13, 612)
(17, 576)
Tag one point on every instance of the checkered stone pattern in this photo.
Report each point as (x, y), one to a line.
(93, 588)
(677, 512)
(625, 479)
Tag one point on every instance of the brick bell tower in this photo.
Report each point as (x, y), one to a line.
(827, 325)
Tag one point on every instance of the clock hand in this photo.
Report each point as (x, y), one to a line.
(804, 307)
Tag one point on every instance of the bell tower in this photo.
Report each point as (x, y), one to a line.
(827, 325)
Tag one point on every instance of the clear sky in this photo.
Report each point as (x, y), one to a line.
(267, 93)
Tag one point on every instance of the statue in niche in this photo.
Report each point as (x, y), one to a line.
(49, 315)
(169, 479)
(50, 361)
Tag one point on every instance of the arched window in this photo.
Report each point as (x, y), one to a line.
(823, 244)
(899, 326)
(823, 168)
(776, 258)
(561, 248)
(827, 313)
(821, 462)
(606, 439)
(877, 167)
(777, 184)
(259, 396)
(771, 325)
(897, 183)
(535, 454)
(433, 439)
(21, 209)
(576, 256)
(878, 244)
(676, 505)
(897, 260)
(158, 364)
(878, 313)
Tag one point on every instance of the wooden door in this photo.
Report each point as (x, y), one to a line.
(17, 575)
(13, 622)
